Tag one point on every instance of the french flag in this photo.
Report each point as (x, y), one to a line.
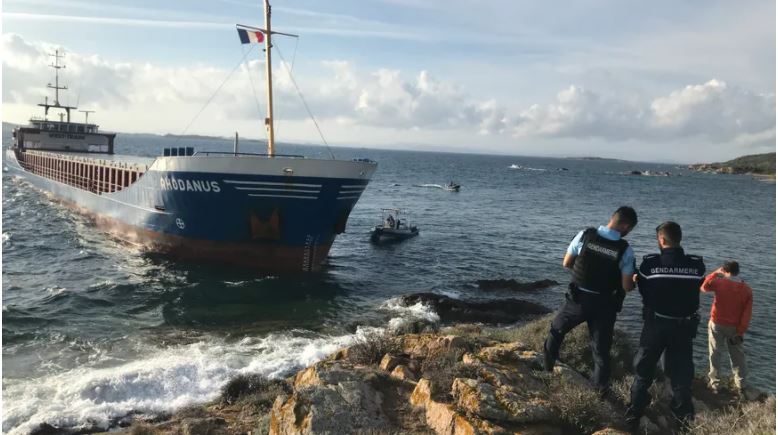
(247, 37)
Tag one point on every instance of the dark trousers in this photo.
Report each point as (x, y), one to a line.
(599, 313)
(674, 338)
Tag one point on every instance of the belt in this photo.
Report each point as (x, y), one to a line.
(662, 316)
(592, 292)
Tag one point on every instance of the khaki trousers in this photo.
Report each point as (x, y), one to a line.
(719, 337)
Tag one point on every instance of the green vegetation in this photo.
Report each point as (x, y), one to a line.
(762, 164)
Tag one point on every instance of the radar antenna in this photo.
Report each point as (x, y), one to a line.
(86, 115)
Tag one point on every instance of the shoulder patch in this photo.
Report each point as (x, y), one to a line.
(650, 256)
(695, 257)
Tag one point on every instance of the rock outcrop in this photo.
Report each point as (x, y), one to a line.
(492, 311)
(454, 382)
(501, 391)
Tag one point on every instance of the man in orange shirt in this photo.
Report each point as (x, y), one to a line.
(729, 317)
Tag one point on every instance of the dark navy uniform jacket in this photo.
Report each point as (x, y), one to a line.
(670, 282)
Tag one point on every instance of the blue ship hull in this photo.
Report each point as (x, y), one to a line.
(261, 217)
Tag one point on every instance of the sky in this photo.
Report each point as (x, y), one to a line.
(666, 81)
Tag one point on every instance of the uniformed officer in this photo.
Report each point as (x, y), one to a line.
(670, 285)
(603, 264)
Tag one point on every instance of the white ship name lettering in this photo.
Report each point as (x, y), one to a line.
(68, 136)
(189, 185)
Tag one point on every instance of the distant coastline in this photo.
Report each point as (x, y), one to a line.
(741, 165)
(762, 165)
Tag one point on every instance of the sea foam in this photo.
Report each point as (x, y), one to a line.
(409, 313)
(166, 380)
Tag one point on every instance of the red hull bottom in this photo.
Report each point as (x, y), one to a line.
(262, 256)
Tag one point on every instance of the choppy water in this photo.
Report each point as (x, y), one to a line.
(93, 330)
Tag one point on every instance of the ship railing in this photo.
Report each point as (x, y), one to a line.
(230, 153)
(94, 175)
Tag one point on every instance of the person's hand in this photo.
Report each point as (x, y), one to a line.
(738, 339)
(635, 278)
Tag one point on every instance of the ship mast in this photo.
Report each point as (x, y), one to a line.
(56, 88)
(271, 143)
(266, 36)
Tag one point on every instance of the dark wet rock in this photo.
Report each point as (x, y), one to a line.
(512, 284)
(488, 311)
(46, 429)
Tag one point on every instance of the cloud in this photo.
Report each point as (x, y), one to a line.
(715, 110)
(340, 93)
(712, 111)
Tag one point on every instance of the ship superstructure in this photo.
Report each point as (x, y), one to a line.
(63, 134)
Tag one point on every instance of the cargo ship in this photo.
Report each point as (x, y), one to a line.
(269, 212)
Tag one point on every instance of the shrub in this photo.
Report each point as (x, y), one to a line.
(441, 367)
(253, 389)
(370, 347)
(578, 406)
(576, 351)
(750, 418)
(659, 395)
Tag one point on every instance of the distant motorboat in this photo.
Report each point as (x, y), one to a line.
(525, 168)
(648, 173)
(393, 227)
(451, 187)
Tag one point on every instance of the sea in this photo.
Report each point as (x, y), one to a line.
(94, 330)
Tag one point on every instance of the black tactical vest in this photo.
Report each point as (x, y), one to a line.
(670, 282)
(596, 268)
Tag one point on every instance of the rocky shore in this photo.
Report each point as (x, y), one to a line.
(465, 378)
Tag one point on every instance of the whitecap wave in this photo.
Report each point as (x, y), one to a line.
(166, 380)
(55, 290)
(409, 313)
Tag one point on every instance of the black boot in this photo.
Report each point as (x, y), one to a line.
(548, 360)
(632, 421)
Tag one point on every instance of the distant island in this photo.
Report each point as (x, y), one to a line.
(194, 137)
(754, 164)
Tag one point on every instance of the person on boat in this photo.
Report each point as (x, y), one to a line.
(729, 318)
(389, 222)
(602, 263)
(669, 283)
